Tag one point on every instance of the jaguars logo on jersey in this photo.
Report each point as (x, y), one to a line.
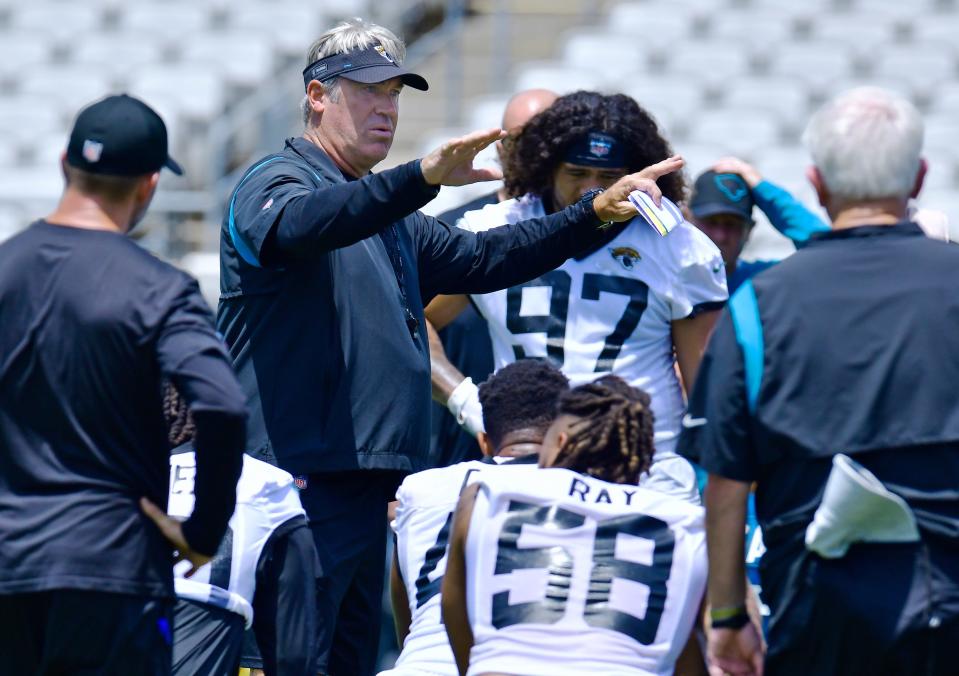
(626, 255)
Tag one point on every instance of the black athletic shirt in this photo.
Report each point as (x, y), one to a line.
(322, 286)
(860, 332)
(89, 325)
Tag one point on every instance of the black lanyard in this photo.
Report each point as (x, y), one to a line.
(392, 242)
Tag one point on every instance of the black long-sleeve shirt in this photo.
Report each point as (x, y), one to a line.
(316, 319)
(89, 325)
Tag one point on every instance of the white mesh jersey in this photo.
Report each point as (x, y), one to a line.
(570, 575)
(609, 312)
(265, 499)
(424, 517)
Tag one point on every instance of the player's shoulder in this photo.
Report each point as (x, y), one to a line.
(502, 213)
(437, 485)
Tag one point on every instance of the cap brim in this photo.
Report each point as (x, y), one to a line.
(716, 208)
(383, 73)
(173, 166)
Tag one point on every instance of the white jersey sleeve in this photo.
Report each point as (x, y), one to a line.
(265, 500)
(566, 574)
(699, 282)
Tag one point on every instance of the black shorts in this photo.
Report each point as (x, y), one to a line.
(283, 641)
(67, 631)
(206, 639)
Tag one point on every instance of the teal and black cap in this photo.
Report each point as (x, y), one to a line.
(715, 194)
(119, 136)
(369, 65)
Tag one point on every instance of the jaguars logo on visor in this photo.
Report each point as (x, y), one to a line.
(627, 256)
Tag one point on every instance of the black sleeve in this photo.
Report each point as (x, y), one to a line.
(304, 222)
(453, 260)
(717, 430)
(195, 360)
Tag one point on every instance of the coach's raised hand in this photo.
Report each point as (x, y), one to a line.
(452, 162)
(613, 204)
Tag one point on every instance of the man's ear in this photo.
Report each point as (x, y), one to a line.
(317, 94)
(920, 177)
(486, 446)
(814, 176)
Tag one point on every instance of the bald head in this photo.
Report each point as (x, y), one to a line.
(525, 105)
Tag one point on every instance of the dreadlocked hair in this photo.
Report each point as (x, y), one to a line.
(533, 155)
(613, 438)
(179, 422)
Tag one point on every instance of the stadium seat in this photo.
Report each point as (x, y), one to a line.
(11, 222)
(22, 50)
(815, 64)
(244, 58)
(74, 86)
(700, 156)
(783, 97)
(9, 151)
(27, 118)
(942, 134)
(486, 112)
(713, 63)
(621, 59)
(939, 29)
(925, 67)
(198, 93)
(945, 99)
(672, 101)
(167, 19)
(647, 25)
(290, 27)
(784, 165)
(864, 33)
(840, 85)
(118, 54)
(561, 79)
(67, 21)
(752, 25)
(744, 131)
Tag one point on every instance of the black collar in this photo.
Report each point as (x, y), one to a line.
(900, 229)
(316, 157)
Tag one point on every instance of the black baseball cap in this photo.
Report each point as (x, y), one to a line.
(721, 194)
(368, 65)
(119, 136)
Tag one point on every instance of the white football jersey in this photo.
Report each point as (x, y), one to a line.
(424, 517)
(265, 500)
(570, 575)
(609, 312)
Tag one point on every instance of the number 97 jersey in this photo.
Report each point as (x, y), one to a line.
(570, 575)
(610, 311)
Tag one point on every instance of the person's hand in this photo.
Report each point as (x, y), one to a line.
(172, 530)
(452, 162)
(735, 652)
(465, 406)
(613, 203)
(734, 165)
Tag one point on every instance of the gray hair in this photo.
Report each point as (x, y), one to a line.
(866, 144)
(345, 37)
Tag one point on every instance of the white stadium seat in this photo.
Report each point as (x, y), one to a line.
(169, 19)
(561, 79)
(620, 59)
(783, 97)
(752, 25)
(866, 32)
(744, 131)
(671, 101)
(714, 63)
(22, 50)
(74, 86)
(27, 118)
(487, 112)
(243, 57)
(68, 21)
(813, 63)
(198, 93)
(11, 221)
(117, 54)
(924, 67)
(291, 28)
(945, 99)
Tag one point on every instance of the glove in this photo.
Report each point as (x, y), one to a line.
(465, 406)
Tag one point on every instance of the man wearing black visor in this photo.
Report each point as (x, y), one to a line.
(325, 269)
(635, 304)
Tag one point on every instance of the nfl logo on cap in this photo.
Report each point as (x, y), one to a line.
(92, 151)
(599, 147)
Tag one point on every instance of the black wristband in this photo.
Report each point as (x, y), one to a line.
(737, 621)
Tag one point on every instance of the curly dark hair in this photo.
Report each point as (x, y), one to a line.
(179, 422)
(533, 155)
(613, 438)
(521, 395)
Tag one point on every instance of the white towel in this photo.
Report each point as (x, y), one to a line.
(856, 507)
